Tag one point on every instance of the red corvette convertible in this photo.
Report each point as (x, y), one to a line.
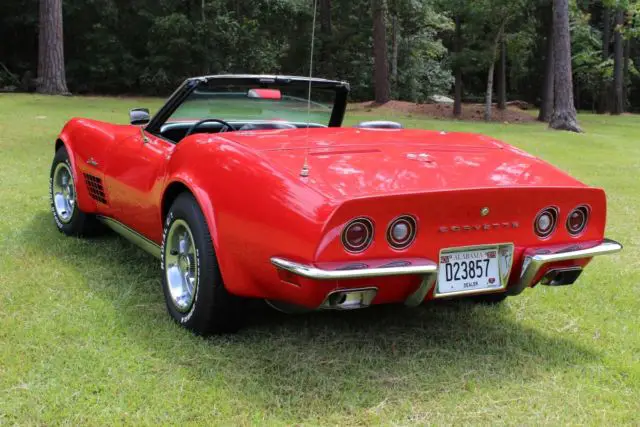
(246, 187)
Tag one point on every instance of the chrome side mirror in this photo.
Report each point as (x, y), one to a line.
(139, 116)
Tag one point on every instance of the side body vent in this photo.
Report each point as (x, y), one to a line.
(96, 189)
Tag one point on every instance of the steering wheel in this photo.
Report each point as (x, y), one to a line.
(226, 126)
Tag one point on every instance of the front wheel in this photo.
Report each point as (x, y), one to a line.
(67, 215)
(193, 288)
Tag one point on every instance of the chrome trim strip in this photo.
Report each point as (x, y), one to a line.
(269, 77)
(536, 262)
(172, 125)
(314, 273)
(417, 298)
(131, 235)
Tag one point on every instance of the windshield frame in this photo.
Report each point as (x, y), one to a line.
(263, 81)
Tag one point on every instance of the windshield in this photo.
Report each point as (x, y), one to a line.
(245, 102)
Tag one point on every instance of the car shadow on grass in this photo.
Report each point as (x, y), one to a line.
(345, 359)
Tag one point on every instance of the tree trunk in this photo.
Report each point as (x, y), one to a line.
(195, 10)
(564, 111)
(618, 83)
(502, 76)
(395, 42)
(326, 25)
(489, 95)
(546, 106)
(457, 104)
(625, 72)
(381, 59)
(51, 73)
(205, 42)
(603, 103)
(326, 35)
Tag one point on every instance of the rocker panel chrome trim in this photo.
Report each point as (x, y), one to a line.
(131, 235)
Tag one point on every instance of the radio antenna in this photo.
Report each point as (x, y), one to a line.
(305, 167)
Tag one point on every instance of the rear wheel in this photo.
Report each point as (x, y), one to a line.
(67, 215)
(193, 288)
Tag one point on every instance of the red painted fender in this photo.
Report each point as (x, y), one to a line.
(251, 208)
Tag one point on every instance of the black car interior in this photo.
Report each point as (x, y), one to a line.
(177, 131)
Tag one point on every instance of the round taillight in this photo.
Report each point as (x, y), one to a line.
(577, 220)
(545, 223)
(358, 235)
(401, 232)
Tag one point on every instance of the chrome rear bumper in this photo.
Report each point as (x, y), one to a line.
(531, 267)
(533, 264)
(362, 273)
(427, 269)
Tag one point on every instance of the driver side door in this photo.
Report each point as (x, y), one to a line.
(134, 177)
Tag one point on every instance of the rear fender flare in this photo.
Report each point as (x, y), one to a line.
(205, 203)
(244, 237)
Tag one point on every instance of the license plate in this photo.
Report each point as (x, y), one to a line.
(470, 271)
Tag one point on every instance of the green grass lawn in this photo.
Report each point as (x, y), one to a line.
(84, 337)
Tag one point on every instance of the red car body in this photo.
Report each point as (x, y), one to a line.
(278, 233)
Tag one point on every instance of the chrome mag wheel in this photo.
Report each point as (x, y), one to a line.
(181, 265)
(64, 192)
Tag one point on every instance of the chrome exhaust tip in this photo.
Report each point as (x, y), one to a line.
(561, 276)
(349, 299)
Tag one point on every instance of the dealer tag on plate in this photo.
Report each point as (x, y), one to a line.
(473, 270)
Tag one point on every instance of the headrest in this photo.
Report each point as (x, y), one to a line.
(380, 125)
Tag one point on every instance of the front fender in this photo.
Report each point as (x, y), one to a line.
(89, 143)
(254, 211)
(70, 138)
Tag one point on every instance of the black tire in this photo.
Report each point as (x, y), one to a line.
(213, 309)
(78, 223)
(490, 299)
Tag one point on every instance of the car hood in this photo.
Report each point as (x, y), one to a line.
(350, 162)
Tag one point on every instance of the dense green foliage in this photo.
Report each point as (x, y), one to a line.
(148, 46)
